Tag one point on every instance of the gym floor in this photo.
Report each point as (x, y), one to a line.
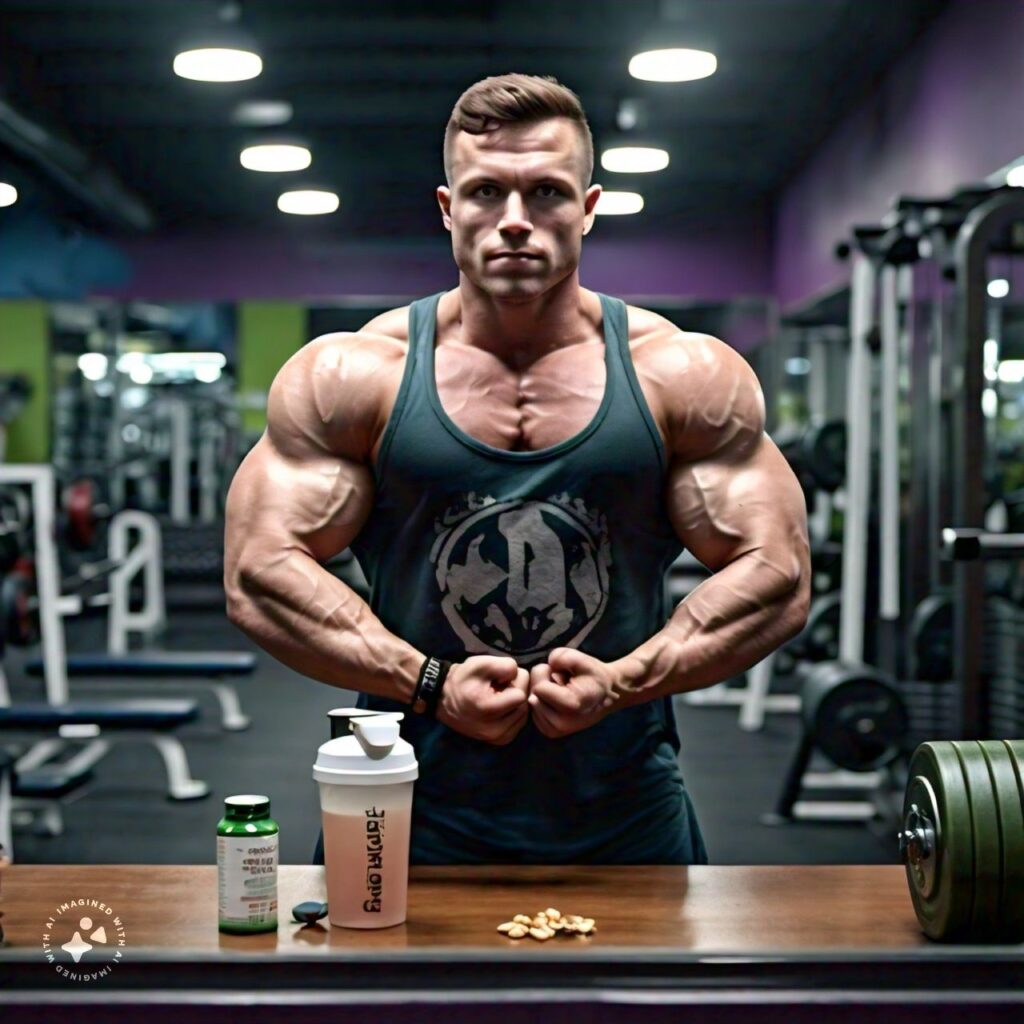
(124, 817)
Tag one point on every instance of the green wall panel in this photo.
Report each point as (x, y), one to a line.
(25, 349)
(269, 333)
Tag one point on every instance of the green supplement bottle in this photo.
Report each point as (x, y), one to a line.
(247, 866)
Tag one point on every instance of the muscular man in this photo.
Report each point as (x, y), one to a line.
(515, 463)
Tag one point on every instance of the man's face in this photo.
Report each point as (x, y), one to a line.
(518, 190)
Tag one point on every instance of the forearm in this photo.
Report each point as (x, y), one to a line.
(730, 622)
(316, 624)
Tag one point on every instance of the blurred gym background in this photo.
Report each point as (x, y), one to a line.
(835, 193)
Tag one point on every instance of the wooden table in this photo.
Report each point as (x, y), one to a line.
(755, 943)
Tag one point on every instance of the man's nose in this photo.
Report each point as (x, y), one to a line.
(515, 217)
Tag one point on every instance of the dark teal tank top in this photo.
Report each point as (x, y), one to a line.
(469, 550)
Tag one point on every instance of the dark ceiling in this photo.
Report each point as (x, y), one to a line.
(372, 85)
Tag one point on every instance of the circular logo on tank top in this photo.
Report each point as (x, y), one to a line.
(522, 577)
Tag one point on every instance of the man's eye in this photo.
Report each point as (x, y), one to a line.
(552, 191)
(491, 190)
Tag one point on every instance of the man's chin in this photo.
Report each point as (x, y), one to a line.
(513, 288)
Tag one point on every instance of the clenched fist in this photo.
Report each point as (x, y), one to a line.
(573, 691)
(484, 698)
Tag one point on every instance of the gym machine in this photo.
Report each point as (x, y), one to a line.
(856, 718)
(134, 550)
(852, 711)
(39, 778)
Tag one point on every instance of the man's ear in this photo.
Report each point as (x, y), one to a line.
(589, 205)
(444, 200)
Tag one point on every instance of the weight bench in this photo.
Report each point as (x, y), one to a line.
(166, 664)
(31, 779)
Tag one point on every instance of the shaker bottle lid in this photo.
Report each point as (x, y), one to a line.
(372, 753)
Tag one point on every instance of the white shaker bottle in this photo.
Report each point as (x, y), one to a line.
(365, 774)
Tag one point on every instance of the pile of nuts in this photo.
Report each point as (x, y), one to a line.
(546, 925)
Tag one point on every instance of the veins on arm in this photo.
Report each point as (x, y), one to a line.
(731, 495)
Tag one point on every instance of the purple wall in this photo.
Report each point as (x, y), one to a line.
(951, 112)
(722, 261)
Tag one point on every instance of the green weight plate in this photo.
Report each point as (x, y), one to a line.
(988, 843)
(1015, 748)
(1010, 804)
(942, 886)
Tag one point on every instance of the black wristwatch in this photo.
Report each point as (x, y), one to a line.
(427, 695)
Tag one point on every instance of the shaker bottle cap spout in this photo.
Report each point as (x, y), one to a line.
(365, 748)
(377, 734)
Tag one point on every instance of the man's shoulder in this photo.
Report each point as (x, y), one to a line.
(697, 383)
(358, 356)
(335, 390)
(646, 325)
(394, 324)
(655, 340)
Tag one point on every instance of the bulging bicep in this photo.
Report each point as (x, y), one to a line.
(742, 499)
(306, 483)
(317, 503)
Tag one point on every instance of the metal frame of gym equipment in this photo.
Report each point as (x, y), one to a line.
(879, 293)
(985, 226)
(916, 230)
(131, 556)
(52, 608)
(755, 699)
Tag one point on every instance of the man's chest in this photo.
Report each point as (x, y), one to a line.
(538, 407)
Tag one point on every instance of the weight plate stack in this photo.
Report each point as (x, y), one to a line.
(855, 713)
(1003, 770)
(1006, 705)
(936, 842)
(985, 833)
(193, 553)
(963, 839)
(933, 709)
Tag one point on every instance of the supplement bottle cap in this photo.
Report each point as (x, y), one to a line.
(247, 806)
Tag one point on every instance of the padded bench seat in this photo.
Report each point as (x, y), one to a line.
(115, 714)
(50, 782)
(156, 663)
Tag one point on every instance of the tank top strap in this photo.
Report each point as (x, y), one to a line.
(422, 332)
(620, 363)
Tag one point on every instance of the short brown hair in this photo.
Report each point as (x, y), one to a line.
(516, 99)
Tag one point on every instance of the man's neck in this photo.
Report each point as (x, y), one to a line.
(519, 332)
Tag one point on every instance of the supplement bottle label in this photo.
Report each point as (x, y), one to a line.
(247, 879)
